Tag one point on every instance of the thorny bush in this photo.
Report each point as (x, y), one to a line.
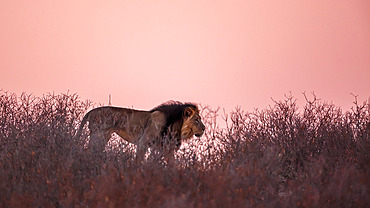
(282, 156)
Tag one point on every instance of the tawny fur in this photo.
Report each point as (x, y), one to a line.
(174, 121)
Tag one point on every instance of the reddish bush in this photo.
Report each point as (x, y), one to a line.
(278, 157)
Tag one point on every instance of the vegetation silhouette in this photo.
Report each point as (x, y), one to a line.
(282, 156)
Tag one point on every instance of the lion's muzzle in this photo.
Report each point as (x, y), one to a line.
(199, 134)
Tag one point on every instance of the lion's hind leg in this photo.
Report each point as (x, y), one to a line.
(97, 141)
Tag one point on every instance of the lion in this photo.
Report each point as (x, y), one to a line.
(162, 128)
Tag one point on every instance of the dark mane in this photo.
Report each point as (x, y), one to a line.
(173, 111)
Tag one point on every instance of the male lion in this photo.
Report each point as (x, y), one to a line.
(163, 127)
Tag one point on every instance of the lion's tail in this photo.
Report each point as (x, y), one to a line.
(83, 122)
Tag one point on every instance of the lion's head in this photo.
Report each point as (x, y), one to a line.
(183, 119)
(192, 123)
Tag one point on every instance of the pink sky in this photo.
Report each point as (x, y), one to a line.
(218, 53)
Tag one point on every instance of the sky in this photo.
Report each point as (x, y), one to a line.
(217, 53)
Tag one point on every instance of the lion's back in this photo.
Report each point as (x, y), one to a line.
(116, 118)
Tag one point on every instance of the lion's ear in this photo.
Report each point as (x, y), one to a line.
(188, 112)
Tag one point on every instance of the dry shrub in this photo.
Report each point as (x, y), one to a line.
(277, 157)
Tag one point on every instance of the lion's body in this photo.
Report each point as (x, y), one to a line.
(173, 121)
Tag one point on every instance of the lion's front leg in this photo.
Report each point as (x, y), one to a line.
(170, 145)
(141, 150)
(151, 132)
(169, 156)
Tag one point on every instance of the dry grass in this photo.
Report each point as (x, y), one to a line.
(277, 157)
